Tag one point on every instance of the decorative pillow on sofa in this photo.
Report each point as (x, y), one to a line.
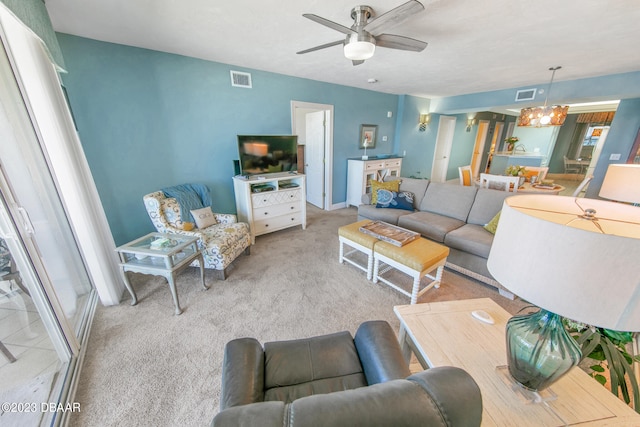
(204, 217)
(376, 185)
(492, 225)
(395, 199)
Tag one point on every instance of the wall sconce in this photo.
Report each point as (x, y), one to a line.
(470, 122)
(424, 121)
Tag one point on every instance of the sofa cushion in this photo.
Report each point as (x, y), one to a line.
(377, 185)
(450, 200)
(470, 238)
(486, 205)
(492, 225)
(430, 225)
(381, 214)
(395, 200)
(413, 185)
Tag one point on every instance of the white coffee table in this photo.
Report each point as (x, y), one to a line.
(445, 334)
(167, 261)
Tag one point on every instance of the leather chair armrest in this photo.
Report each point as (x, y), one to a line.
(242, 373)
(263, 414)
(455, 393)
(380, 353)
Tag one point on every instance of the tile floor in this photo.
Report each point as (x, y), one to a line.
(24, 335)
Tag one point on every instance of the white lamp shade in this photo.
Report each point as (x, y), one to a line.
(546, 254)
(622, 183)
(359, 50)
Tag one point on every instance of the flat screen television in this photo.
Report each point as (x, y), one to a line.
(267, 153)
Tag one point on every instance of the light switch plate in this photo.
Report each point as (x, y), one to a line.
(614, 156)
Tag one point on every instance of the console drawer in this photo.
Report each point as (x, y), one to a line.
(394, 163)
(262, 226)
(374, 165)
(275, 210)
(270, 198)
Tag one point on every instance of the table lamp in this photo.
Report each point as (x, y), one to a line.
(622, 183)
(572, 257)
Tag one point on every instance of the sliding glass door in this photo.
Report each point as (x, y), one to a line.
(46, 295)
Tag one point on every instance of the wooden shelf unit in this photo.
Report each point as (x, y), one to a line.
(361, 172)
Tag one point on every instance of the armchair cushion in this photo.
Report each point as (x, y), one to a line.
(289, 370)
(204, 217)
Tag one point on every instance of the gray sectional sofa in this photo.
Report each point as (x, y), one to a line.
(450, 214)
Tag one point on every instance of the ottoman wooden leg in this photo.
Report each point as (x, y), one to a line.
(376, 269)
(416, 287)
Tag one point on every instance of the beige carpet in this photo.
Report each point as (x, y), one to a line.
(144, 366)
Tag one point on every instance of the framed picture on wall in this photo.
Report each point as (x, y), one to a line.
(368, 136)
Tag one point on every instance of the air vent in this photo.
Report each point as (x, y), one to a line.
(526, 94)
(239, 79)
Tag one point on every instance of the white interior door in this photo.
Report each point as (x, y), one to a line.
(444, 141)
(314, 157)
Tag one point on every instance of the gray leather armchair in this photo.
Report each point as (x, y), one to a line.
(337, 380)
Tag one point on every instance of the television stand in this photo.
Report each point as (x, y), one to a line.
(271, 202)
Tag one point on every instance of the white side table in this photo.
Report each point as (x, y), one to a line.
(167, 260)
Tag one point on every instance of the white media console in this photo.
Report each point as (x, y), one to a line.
(271, 202)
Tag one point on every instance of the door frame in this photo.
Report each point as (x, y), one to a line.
(478, 147)
(444, 138)
(296, 106)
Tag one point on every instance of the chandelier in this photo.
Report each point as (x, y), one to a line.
(552, 115)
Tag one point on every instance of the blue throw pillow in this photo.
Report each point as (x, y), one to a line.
(395, 199)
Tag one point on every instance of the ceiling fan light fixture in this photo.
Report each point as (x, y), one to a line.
(359, 50)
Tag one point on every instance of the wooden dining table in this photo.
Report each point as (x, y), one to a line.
(527, 187)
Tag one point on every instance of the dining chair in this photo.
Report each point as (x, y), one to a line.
(465, 176)
(571, 166)
(582, 185)
(540, 171)
(499, 182)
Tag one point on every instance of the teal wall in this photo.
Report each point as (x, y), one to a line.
(34, 14)
(418, 145)
(150, 119)
(622, 135)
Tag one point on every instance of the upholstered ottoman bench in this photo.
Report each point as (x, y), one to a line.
(417, 259)
(351, 236)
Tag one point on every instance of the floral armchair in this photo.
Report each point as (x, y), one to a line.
(221, 243)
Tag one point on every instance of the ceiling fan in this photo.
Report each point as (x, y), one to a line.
(365, 34)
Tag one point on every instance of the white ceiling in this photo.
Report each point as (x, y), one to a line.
(474, 46)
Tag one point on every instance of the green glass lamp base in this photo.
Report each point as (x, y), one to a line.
(539, 349)
(525, 395)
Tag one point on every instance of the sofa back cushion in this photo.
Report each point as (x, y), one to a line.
(486, 205)
(416, 186)
(450, 200)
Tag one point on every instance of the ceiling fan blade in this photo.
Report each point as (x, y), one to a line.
(357, 62)
(400, 42)
(323, 46)
(394, 16)
(330, 24)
